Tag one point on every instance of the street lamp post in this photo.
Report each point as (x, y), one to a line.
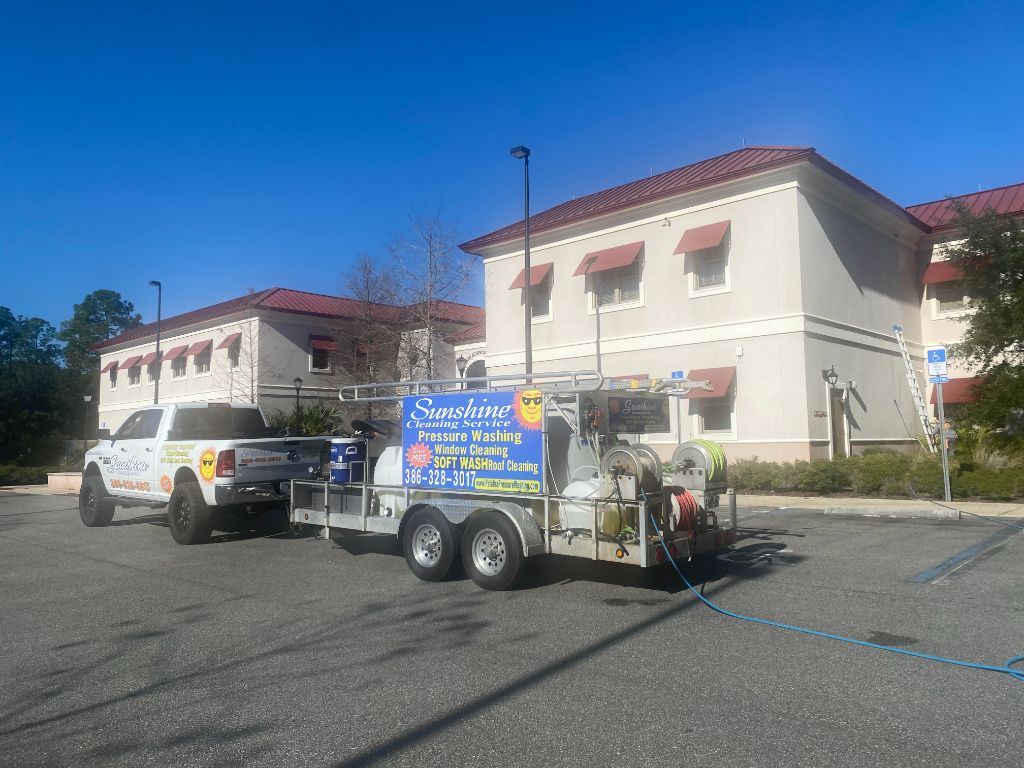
(298, 388)
(523, 153)
(460, 361)
(159, 300)
(85, 422)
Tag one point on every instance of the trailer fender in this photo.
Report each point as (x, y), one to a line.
(458, 511)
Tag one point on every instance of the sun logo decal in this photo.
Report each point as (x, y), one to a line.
(207, 464)
(419, 455)
(529, 406)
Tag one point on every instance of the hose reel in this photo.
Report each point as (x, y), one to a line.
(638, 460)
(698, 463)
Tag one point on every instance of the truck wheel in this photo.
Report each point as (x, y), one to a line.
(94, 506)
(491, 550)
(429, 545)
(188, 516)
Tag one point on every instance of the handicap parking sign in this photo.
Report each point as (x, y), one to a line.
(937, 365)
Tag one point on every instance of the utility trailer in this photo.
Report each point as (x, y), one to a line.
(498, 469)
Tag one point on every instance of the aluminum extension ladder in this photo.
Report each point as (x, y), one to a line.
(930, 428)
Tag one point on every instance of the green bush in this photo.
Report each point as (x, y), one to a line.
(752, 475)
(925, 477)
(984, 483)
(881, 472)
(826, 476)
(14, 475)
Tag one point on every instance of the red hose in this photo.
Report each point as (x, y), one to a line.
(687, 512)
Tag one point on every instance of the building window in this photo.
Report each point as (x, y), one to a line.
(201, 362)
(151, 372)
(179, 367)
(135, 376)
(113, 377)
(715, 416)
(949, 297)
(234, 353)
(540, 299)
(320, 349)
(618, 286)
(710, 271)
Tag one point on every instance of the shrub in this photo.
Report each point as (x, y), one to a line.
(751, 474)
(875, 472)
(825, 476)
(925, 476)
(15, 475)
(985, 483)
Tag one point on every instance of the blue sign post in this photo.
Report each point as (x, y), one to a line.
(481, 441)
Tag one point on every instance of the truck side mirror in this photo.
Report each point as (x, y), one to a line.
(102, 434)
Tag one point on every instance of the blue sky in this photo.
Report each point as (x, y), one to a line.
(225, 146)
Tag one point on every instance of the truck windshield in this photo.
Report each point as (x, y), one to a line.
(219, 424)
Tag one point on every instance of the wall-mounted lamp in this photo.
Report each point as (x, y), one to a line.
(831, 376)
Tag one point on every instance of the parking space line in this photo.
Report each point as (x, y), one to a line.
(962, 559)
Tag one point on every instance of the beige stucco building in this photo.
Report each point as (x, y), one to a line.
(253, 348)
(761, 271)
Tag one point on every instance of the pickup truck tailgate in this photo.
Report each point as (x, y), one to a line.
(272, 460)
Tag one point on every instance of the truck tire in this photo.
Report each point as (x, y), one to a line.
(188, 516)
(491, 550)
(94, 506)
(429, 544)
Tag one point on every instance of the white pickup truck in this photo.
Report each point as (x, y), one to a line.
(193, 458)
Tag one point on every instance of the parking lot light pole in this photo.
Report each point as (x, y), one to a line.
(85, 422)
(523, 153)
(156, 380)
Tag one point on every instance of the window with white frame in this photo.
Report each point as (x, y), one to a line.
(320, 348)
(113, 377)
(234, 354)
(949, 297)
(201, 362)
(135, 376)
(710, 270)
(179, 367)
(618, 286)
(540, 299)
(715, 416)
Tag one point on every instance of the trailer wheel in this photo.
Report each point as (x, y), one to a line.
(491, 550)
(429, 545)
(188, 516)
(94, 506)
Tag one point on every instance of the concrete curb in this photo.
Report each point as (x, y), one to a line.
(933, 513)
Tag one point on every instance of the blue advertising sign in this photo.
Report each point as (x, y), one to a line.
(474, 441)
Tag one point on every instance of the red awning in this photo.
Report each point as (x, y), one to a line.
(199, 347)
(537, 274)
(109, 366)
(229, 340)
(610, 258)
(959, 390)
(148, 359)
(323, 343)
(699, 238)
(131, 362)
(719, 378)
(173, 354)
(941, 272)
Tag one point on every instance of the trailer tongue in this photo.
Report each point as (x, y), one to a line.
(515, 468)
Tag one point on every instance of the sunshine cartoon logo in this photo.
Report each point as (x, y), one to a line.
(529, 406)
(207, 462)
(419, 455)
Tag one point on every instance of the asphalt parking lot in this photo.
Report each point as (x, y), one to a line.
(120, 647)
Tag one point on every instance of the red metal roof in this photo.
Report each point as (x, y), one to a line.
(719, 378)
(537, 274)
(298, 302)
(477, 332)
(173, 354)
(699, 238)
(131, 362)
(959, 390)
(609, 258)
(939, 214)
(941, 272)
(108, 366)
(230, 339)
(199, 347)
(716, 170)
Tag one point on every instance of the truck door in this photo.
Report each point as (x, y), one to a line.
(131, 468)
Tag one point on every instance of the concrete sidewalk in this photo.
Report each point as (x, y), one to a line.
(838, 505)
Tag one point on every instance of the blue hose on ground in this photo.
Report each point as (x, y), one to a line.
(1006, 669)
